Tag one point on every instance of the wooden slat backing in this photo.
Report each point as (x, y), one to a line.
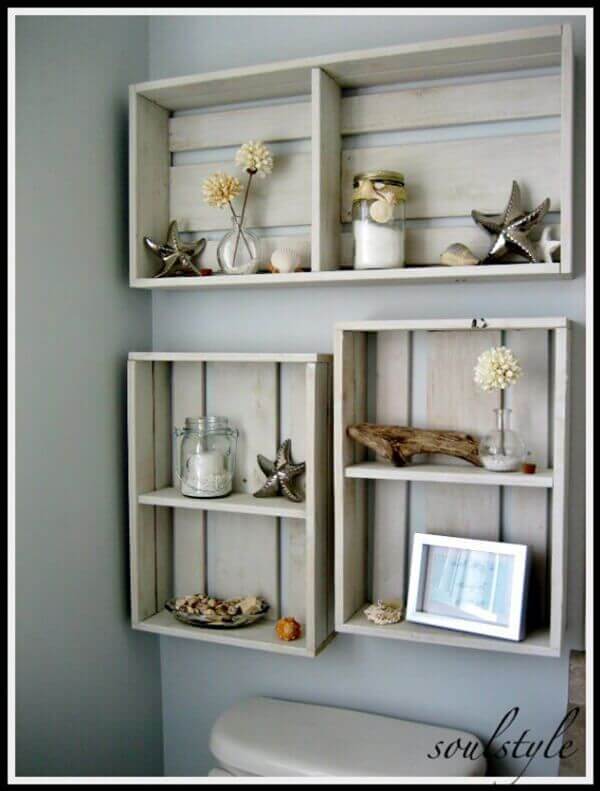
(450, 178)
(391, 497)
(408, 108)
(283, 198)
(526, 512)
(454, 402)
(162, 477)
(244, 550)
(141, 479)
(189, 527)
(149, 181)
(350, 396)
(326, 168)
(293, 533)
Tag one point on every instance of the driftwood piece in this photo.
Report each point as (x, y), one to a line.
(400, 443)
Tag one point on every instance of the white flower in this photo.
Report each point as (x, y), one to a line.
(496, 369)
(255, 157)
(220, 189)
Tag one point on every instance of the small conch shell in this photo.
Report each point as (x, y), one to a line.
(458, 255)
(284, 260)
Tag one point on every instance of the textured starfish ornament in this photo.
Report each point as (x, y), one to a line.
(511, 228)
(177, 257)
(547, 246)
(281, 474)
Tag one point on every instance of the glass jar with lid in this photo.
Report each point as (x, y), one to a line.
(205, 456)
(378, 219)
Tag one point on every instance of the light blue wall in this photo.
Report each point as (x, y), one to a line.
(88, 687)
(467, 689)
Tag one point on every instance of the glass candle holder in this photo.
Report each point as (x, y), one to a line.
(205, 457)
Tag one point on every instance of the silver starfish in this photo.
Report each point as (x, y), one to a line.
(177, 257)
(281, 474)
(511, 228)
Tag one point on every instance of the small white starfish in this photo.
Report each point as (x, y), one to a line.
(547, 246)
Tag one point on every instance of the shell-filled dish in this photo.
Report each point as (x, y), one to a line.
(200, 609)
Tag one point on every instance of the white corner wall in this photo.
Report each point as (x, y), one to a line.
(88, 687)
(466, 689)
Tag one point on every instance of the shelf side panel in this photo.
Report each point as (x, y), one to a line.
(243, 553)
(189, 527)
(293, 535)
(148, 181)
(526, 511)
(454, 402)
(391, 497)
(141, 478)
(161, 375)
(567, 149)
(326, 171)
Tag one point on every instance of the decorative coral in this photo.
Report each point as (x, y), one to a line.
(384, 613)
(255, 158)
(220, 189)
(497, 368)
(288, 629)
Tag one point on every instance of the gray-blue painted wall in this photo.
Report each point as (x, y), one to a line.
(467, 689)
(87, 686)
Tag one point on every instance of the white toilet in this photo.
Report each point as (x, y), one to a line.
(263, 737)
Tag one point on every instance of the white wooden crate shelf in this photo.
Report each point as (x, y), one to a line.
(236, 503)
(420, 373)
(446, 473)
(446, 178)
(236, 545)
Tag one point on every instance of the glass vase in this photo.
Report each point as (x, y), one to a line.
(502, 450)
(238, 251)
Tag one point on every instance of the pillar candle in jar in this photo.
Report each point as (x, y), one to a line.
(200, 465)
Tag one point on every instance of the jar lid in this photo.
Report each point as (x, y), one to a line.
(206, 422)
(388, 176)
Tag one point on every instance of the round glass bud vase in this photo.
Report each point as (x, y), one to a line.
(502, 450)
(238, 251)
(378, 218)
(205, 456)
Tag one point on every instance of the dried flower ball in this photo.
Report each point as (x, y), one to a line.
(220, 189)
(288, 629)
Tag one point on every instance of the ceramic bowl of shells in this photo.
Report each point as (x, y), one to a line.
(199, 609)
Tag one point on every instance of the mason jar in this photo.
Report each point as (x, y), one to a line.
(378, 219)
(205, 456)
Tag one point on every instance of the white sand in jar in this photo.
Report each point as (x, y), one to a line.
(377, 246)
(501, 463)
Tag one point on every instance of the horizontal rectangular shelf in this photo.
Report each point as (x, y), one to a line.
(446, 473)
(536, 643)
(228, 357)
(236, 503)
(260, 635)
(424, 274)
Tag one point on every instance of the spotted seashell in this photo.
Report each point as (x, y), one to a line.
(285, 260)
(458, 255)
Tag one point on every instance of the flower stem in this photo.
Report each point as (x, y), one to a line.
(502, 448)
(238, 224)
(241, 223)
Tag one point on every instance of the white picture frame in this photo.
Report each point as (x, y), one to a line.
(469, 585)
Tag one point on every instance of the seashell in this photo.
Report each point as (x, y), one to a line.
(251, 605)
(288, 629)
(285, 260)
(384, 613)
(458, 255)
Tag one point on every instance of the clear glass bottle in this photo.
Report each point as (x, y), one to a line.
(205, 456)
(502, 450)
(238, 251)
(378, 219)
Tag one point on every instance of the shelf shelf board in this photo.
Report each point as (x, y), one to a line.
(236, 503)
(260, 635)
(536, 643)
(409, 274)
(446, 473)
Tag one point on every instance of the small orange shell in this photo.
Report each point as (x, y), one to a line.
(288, 629)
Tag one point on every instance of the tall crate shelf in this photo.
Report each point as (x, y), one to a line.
(521, 80)
(420, 373)
(237, 545)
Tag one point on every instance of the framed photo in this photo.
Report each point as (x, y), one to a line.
(472, 586)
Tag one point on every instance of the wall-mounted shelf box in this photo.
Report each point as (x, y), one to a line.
(236, 545)
(440, 96)
(420, 373)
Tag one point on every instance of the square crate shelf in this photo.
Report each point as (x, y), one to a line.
(237, 545)
(420, 373)
(522, 80)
